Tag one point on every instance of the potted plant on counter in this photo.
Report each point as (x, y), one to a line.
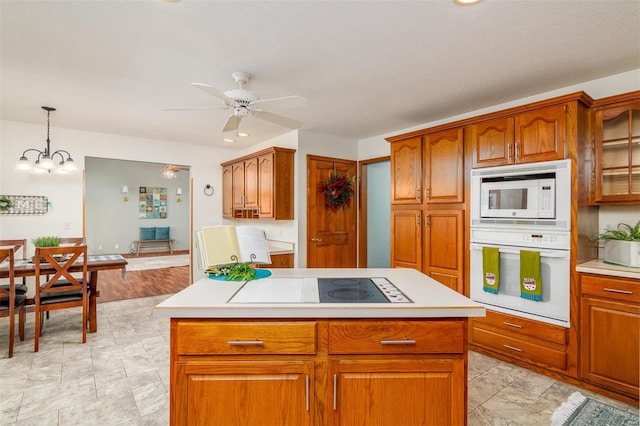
(622, 245)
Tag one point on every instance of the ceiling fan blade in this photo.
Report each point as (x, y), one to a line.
(232, 123)
(210, 90)
(278, 119)
(294, 101)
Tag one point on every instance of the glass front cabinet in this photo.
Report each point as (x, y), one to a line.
(617, 153)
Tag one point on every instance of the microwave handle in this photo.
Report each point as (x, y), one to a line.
(514, 251)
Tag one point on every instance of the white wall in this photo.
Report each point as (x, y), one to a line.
(66, 192)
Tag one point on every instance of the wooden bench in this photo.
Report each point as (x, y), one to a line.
(145, 243)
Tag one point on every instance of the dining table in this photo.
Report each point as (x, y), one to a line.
(95, 264)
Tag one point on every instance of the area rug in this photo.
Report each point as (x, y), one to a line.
(579, 410)
(157, 262)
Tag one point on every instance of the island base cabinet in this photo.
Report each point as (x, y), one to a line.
(398, 392)
(244, 393)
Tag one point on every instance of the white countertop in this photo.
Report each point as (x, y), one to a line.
(599, 267)
(208, 298)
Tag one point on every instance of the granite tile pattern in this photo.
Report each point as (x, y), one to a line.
(121, 375)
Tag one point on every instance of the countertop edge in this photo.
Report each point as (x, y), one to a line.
(599, 267)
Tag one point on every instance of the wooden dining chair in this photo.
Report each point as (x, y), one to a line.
(17, 245)
(60, 289)
(76, 241)
(10, 301)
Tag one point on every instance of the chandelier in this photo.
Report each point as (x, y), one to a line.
(169, 172)
(45, 161)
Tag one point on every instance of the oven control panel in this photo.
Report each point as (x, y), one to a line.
(536, 239)
(390, 291)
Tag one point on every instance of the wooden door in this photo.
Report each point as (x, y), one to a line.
(251, 183)
(406, 238)
(238, 184)
(265, 185)
(227, 191)
(244, 393)
(399, 392)
(406, 171)
(444, 254)
(540, 135)
(492, 142)
(443, 167)
(331, 236)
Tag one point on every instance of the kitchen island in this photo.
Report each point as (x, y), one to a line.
(294, 361)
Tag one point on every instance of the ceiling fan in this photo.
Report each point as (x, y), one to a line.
(244, 103)
(169, 171)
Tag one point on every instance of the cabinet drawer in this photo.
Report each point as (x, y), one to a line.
(529, 351)
(395, 337)
(549, 332)
(198, 337)
(611, 288)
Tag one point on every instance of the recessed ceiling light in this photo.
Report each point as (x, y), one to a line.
(466, 2)
(242, 135)
(228, 140)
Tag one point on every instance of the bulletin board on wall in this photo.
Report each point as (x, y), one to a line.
(153, 203)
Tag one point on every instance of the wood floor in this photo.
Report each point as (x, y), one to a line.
(151, 282)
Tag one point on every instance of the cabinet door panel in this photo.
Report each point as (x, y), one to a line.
(227, 192)
(238, 184)
(244, 393)
(406, 239)
(444, 239)
(540, 134)
(443, 162)
(492, 142)
(265, 185)
(406, 171)
(399, 392)
(610, 344)
(251, 183)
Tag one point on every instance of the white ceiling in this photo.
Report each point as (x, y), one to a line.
(366, 68)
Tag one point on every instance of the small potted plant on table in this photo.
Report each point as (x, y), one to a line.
(49, 241)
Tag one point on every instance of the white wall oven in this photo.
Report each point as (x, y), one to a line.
(516, 209)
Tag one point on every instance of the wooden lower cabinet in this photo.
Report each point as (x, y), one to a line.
(279, 261)
(318, 372)
(610, 333)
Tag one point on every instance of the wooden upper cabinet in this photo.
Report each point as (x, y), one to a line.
(540, 135)
(492, 142)
(227, 191)
(532, 136)
(617, 153)
(406, 171)
(443, 167)
(261, 185)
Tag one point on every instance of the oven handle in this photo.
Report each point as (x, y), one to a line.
(563, 255)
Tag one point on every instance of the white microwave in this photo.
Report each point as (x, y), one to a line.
(534, 195)
(520, 197)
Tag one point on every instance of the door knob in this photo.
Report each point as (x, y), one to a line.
(316, 240)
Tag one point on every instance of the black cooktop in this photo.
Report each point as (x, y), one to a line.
(358, 290)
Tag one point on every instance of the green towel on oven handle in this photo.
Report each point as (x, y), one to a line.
(490, 269)
(530, 280)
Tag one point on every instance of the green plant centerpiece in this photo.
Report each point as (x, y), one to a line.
(234, 272)
(50, 241)
(621, 245)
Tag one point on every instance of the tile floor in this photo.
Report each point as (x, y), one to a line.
(121, 375)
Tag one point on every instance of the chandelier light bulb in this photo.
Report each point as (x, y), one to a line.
(23, 164)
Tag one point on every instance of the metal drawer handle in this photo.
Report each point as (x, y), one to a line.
(513, 348)
(246, 343)
(510, 324)
(615, 290)
(398, 342)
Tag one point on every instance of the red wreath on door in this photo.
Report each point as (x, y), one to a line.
(338, 192)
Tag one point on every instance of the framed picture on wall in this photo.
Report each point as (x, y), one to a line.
(143, 190)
